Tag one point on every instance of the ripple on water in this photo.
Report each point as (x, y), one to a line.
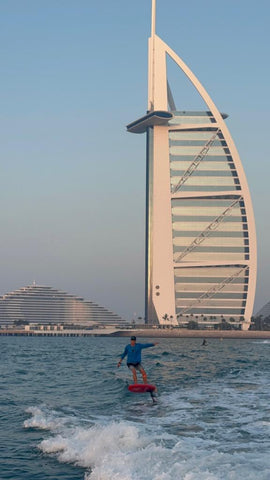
(70, 416)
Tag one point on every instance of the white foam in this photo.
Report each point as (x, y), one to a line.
(117, 451)
(42, 419)
(122, 450)
(85, 446)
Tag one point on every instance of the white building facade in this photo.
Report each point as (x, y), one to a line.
(44, 305)
(200, 230)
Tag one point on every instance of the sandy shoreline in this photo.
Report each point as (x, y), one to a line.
(142, 332)
(185, 333)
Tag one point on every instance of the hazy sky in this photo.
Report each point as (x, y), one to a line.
(73, 75)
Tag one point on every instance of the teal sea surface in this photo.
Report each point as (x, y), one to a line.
(66, 412)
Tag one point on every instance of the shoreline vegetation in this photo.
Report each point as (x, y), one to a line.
(145, 332)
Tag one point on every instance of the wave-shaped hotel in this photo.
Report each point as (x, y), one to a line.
(200, 230)
(46, 305)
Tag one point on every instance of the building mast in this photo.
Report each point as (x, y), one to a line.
(151, 79)
(153, 30)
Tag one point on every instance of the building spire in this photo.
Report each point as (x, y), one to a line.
(151, 64)
(153, 30)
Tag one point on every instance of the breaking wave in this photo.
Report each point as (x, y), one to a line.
(123, 450)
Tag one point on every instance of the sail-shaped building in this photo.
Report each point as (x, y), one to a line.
(200, 229)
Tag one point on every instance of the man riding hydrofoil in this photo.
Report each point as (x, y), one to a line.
(133, 352)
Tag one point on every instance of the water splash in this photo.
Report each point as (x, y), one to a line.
(114, 450)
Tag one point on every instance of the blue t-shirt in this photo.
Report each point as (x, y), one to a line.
(134, 352)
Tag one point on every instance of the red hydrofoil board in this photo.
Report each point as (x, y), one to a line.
(141, 388)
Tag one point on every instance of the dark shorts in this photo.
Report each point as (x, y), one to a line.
(137, 366)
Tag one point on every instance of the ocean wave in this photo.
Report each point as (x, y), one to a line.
(43, 420)
(122, 450)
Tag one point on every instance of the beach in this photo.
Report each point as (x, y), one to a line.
(140, 332)
(186, 333)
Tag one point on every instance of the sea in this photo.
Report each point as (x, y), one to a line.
(67, 414)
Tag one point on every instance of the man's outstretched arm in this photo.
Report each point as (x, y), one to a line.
(122, 357)
(147, 345)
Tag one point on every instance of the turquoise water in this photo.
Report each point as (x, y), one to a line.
(66, 413)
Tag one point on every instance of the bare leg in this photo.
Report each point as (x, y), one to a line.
(134, 375)
(144, 376)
